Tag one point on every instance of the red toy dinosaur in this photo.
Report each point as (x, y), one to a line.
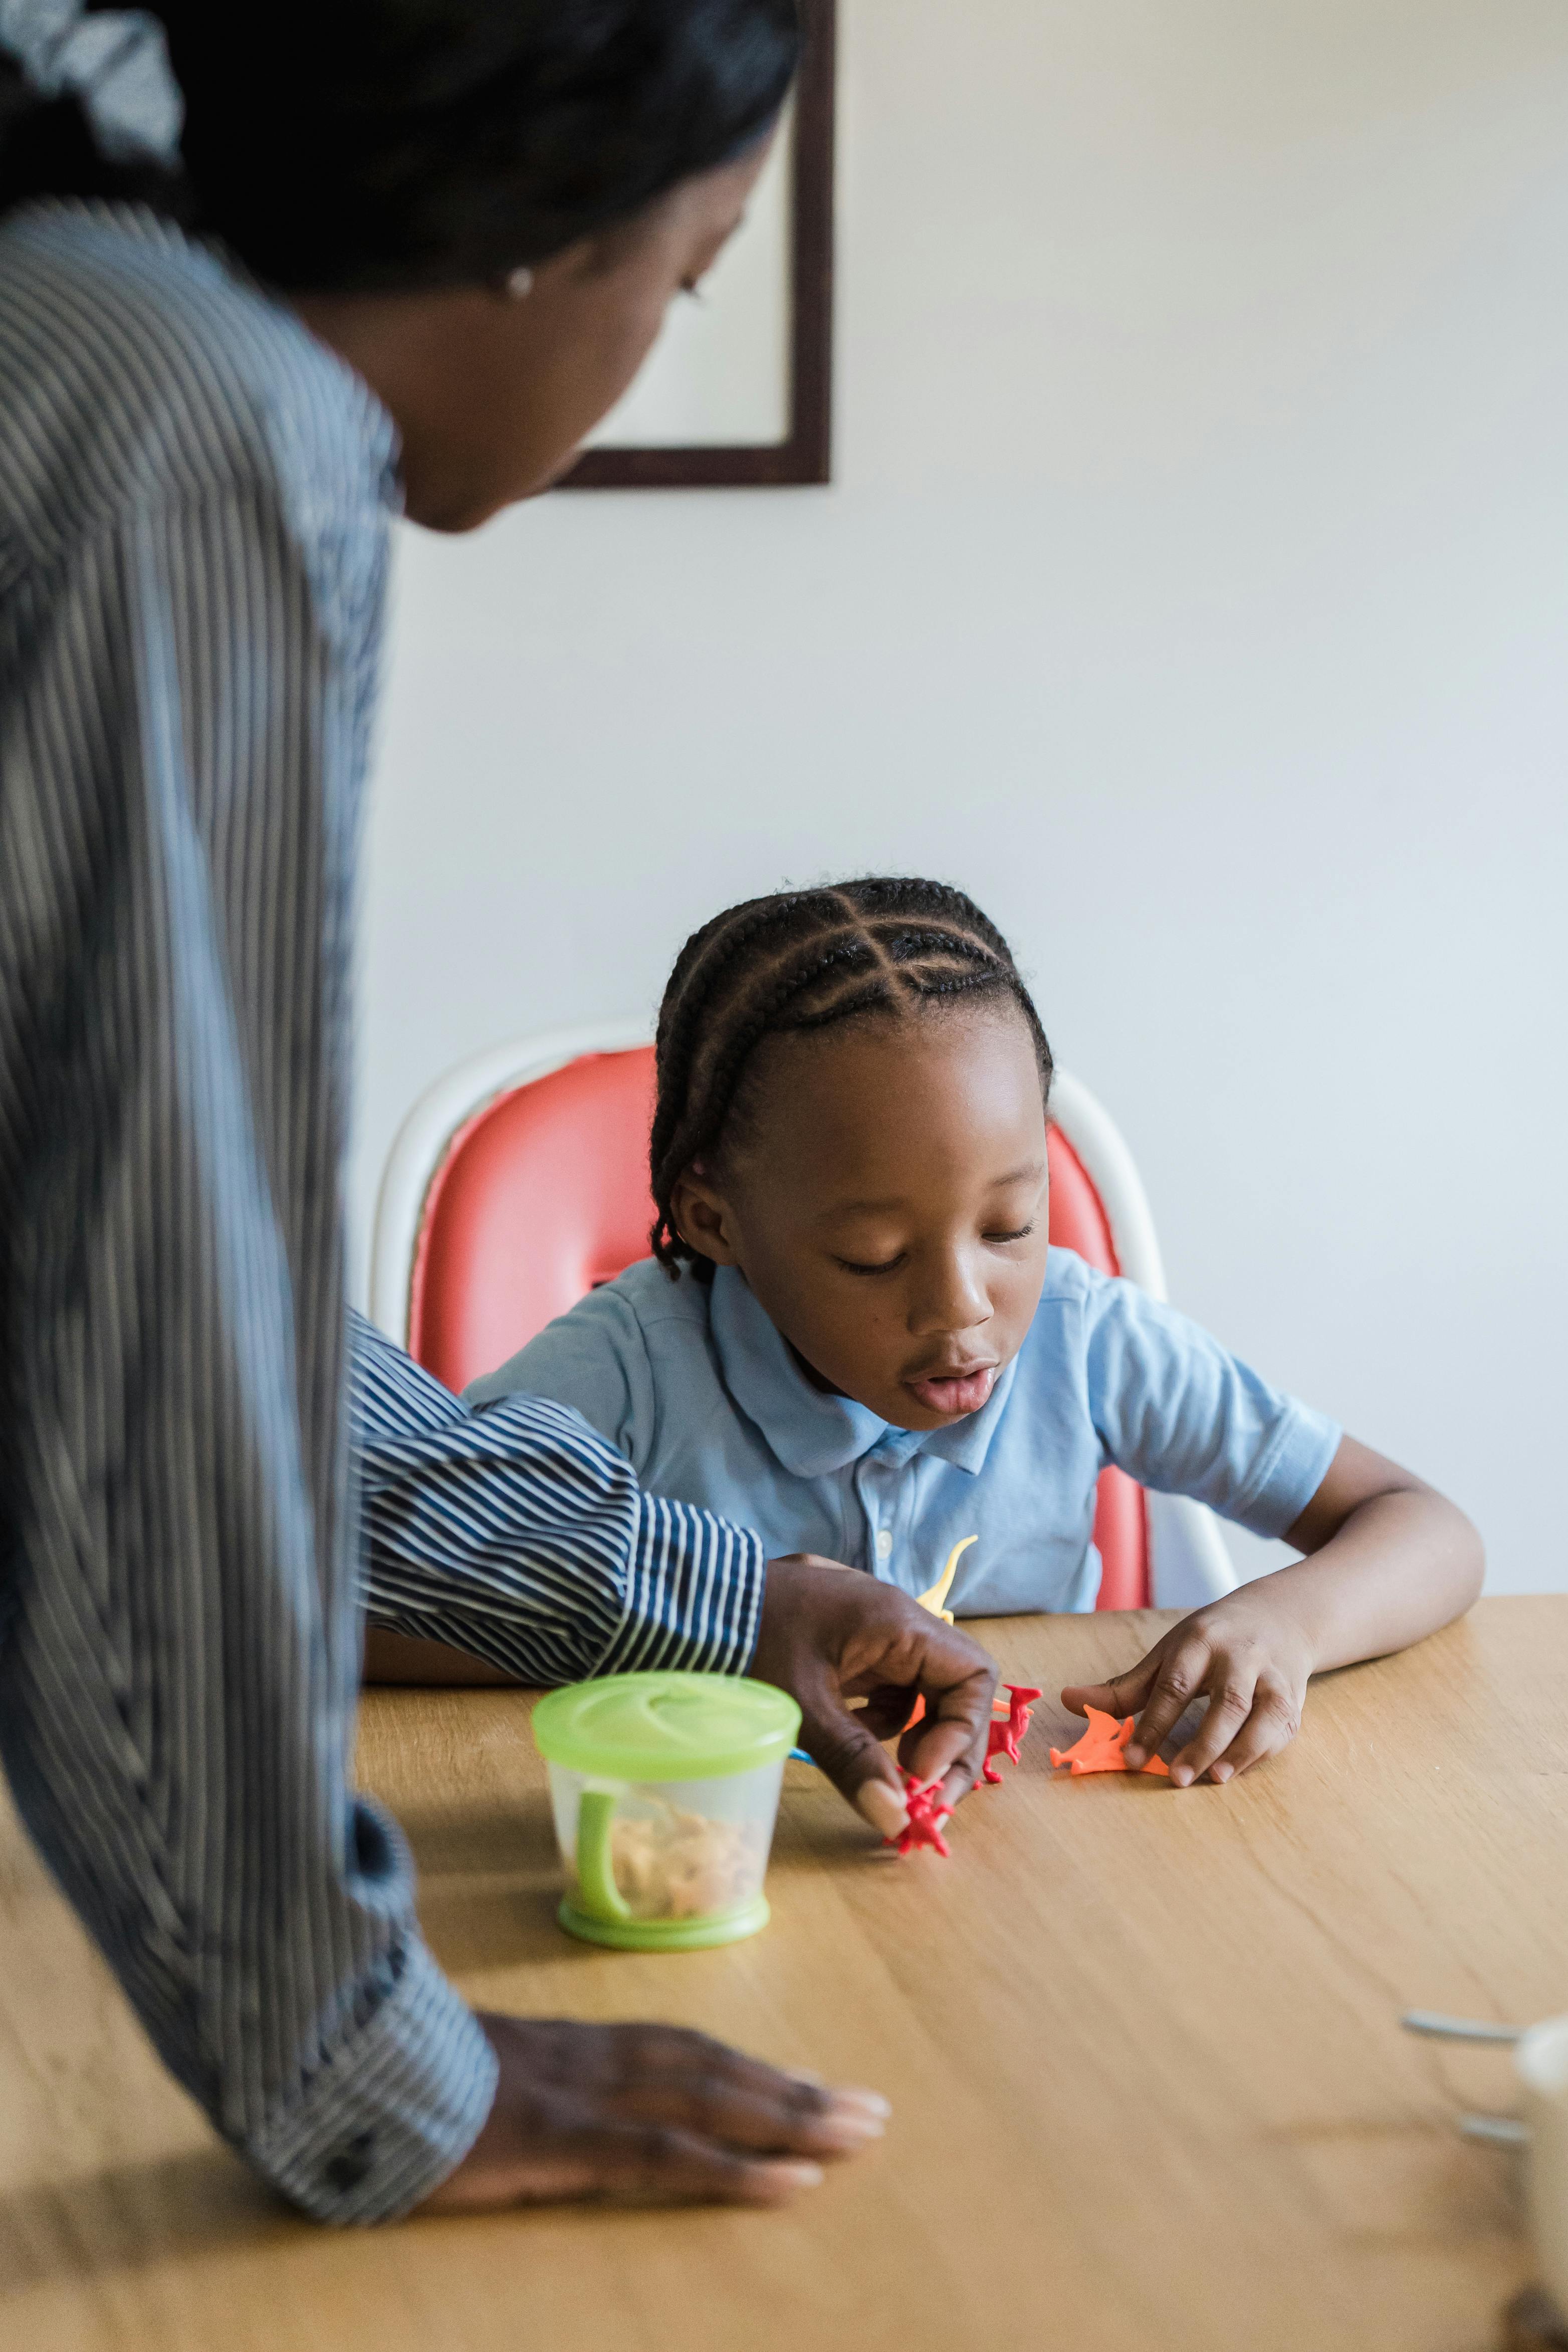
(1003, 1738)
(927, 1811)
(1101, 1748)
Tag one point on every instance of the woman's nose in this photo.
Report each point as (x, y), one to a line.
(954, 1299)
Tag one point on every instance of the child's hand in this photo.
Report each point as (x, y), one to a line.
(1246, 1654)
(1388, 1561)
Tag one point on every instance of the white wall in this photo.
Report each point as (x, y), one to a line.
(1193, 589)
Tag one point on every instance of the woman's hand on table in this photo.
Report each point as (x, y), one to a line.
(829, 1634)
(634, 2114)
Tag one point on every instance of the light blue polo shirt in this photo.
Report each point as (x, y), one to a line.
(703, 1395)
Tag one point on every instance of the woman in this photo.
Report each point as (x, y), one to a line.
(405, 251)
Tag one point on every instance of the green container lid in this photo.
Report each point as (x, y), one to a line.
(667, 1727)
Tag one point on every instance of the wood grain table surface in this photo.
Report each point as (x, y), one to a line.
(1150, 2090)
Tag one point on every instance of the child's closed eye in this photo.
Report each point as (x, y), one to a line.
(890, 1265)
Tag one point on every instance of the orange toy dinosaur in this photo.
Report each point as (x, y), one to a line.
(1101, 1748)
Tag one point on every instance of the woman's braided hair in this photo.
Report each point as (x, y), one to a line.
(801, 961)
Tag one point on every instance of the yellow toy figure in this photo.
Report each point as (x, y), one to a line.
(942, 1586)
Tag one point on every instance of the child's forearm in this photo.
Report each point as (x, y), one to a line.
(1400, 1565)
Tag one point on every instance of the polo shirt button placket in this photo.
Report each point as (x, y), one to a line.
(880, 1495)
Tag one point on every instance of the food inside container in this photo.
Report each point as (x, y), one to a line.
(674, 1864)
(665, 1787)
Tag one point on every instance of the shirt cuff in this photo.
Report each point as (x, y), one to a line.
(694, 1593)
(391, 2107)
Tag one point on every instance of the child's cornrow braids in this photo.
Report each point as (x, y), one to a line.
(803, 959)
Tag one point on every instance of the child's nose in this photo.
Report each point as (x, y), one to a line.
(955, 1301)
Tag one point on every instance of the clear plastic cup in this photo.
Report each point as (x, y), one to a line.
(665, 1788)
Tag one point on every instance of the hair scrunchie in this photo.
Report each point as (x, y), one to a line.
(114, 63)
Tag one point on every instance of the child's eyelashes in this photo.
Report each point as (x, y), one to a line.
(890, 1265)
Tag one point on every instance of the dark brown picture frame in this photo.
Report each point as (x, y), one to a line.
(805, 454)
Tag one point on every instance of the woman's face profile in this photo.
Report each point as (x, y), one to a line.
(493, 394)
(594, 312)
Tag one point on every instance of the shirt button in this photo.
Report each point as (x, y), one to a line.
(344, 2171)
(884, 1543)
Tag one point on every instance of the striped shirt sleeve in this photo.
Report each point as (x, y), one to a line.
(517, 1534)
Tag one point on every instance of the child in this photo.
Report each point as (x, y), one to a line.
(853, 1337)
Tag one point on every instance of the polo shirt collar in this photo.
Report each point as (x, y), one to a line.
(813, 1433)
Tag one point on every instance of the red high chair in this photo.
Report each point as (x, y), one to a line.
(519, 1181)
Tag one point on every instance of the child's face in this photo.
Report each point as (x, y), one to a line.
(888, 1207)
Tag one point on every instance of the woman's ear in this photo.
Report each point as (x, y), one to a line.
(702, 1217)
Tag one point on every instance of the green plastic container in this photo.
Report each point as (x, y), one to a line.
(665, 1788)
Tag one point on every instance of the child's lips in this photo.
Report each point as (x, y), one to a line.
(955, 1392)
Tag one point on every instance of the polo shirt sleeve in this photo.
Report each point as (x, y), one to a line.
(595, 1359)
(1181, 1414)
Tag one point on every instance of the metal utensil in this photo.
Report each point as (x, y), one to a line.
(1500, 2131)
(1456, 2029)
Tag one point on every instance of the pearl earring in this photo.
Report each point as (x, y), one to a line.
(520, 283)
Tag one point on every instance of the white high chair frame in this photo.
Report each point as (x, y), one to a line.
(1188, 1562)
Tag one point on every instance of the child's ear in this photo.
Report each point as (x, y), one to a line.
(702, 1217)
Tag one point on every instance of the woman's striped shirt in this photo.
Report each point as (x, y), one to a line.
(193, 505)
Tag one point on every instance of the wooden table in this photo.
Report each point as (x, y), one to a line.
(1150, 2089)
